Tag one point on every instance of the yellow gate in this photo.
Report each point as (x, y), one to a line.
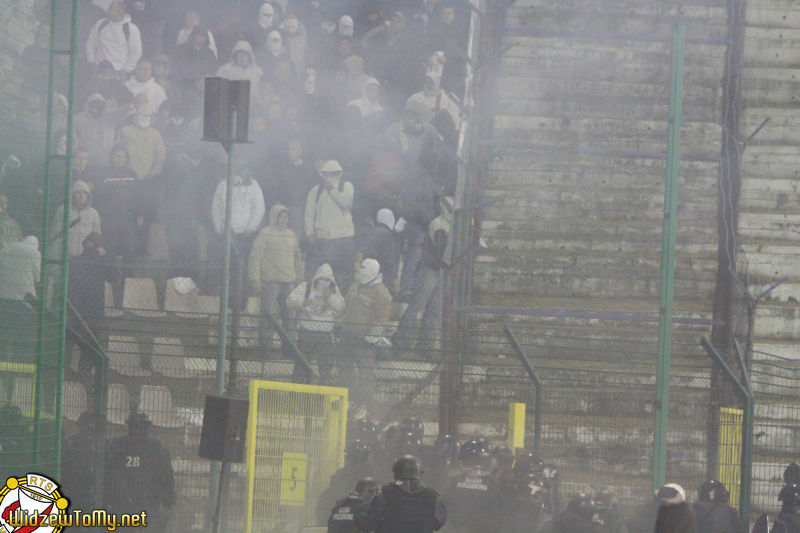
(295, 442)
(729, 454)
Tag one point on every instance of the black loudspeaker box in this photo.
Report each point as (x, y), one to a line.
(220, 99)
(224, 429)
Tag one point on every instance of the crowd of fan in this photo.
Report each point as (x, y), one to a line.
(354, 127)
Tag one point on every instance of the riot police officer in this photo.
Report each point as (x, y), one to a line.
(407, 505)
(577, 518)
(607, 512)
(712, 511)
(357, 466)
(440, 457)
(363, 430)
(413, 425)
(788, 520)
(139, 474)
(468, 488)
(344, 513)
(79, 461)
(522, 505)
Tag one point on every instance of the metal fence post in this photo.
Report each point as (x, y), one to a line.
(538, 409)
(668, 237)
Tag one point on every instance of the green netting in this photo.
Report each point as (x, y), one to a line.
(34, 142)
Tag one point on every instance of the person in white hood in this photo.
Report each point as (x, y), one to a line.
(142, 82)
(20, 264)
(247, 210)
(436, 99)
(115, 39)
(318, 304)
(346, 26)
(242, 65)
(368, 104)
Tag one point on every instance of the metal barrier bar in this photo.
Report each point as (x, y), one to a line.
(538, 408)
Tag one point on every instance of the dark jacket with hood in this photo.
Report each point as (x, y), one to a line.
(717, 517)
(405, 506)
(676, 518)
(569, 522)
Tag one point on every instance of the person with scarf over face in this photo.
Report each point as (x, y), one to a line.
(373, 116)
(271, 55)
(296, 40)
(275, 266)
(436, 99)
(95, 127)
(318, 304)
(264, 23)
(368, 306)
(144, 144)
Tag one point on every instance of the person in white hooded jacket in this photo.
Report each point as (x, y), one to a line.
(242, 66)
(115, 39)
(84, 220)
(437, 99)
(318, 304)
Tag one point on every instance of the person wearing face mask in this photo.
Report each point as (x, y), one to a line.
(144, 144)
(373, 115)
(318, 303)
(242, 65)
(413, 133)
(95, 127)
(383, 245)
(271, 55)
(436, 99)
(346, 26)
(329, 226)
(368, 307)
(297, 41)
(142, 82)
(115, 39)
(265, 22)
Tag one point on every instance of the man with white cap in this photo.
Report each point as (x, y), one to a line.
(329, 224)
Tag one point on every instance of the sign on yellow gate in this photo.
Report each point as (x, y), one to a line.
(295, 442)
(729, 452)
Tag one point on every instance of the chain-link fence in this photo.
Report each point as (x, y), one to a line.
(36, 61)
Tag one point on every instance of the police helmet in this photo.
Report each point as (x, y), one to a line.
(357, 450)
(790, 496)
(363, 429)
(581, 504)
(792, 474)
(407, 443)
(606, 500)
(138, 424)
(474, 453)
(528, 463)
(413, 425)
(530, 485)
(712, 491)
(447, 446)
(367, 487)
(407, 467)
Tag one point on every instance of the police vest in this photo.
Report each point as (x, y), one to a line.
(408, 512)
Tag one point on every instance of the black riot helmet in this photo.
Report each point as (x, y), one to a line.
(582, 504)
(357, 451)
(407, 467)
(790, 496)
(362, 429)
(413, 425)
(792, 474)
(713, 491)
(447, 447)
(475, 453)
(528, 463)
(406, 443)
(367, 488)
(606, 500)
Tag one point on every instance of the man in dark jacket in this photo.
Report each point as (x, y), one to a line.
(607, 512)
(713, 513)
(347, 510)
(407, 505)
(675, 515)
(139, 474)
(788, 520)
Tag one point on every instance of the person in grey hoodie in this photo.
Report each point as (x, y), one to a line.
(242, 65)
(318, 304)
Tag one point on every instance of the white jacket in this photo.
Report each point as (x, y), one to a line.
(107, 41)
(20, 265)
(247, 209)
(320, 316)
(327, 214)
(154, 92)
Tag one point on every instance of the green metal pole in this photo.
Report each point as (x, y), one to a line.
(668, 258)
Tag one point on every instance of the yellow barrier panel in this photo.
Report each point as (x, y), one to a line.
(295, 442)
(516, 426)
(729, 452)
